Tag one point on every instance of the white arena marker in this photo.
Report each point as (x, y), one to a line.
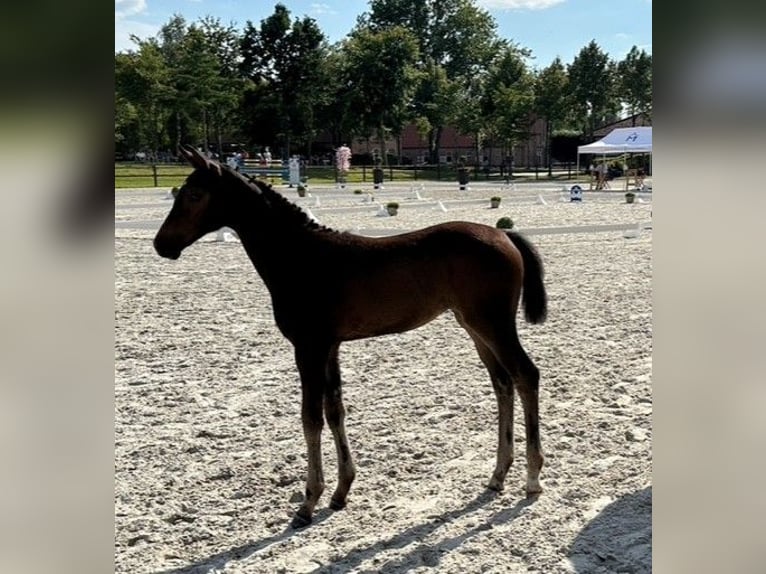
(631, 233)
(541, 200)
(311, 216)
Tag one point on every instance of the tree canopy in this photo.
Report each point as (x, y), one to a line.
(430, 63)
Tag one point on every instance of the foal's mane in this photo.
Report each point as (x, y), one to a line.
(282, 206)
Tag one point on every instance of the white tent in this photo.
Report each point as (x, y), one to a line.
(621, 140)
(618, 141)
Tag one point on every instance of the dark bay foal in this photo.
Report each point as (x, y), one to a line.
(364, 287)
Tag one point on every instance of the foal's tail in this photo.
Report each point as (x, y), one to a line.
(535, 299)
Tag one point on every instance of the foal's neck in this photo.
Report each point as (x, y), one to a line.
(273, 230)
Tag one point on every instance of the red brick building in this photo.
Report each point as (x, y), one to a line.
(453, 144)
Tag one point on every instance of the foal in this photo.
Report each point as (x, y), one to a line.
(364, 287)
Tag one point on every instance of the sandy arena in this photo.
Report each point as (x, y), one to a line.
(210, 459)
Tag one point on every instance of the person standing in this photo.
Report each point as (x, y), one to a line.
(343, 163)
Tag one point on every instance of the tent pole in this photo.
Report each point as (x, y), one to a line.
(577, 173)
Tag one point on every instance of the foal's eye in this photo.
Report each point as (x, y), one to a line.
(195, 194)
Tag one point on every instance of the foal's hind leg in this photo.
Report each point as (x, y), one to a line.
(526, 377)
(501, 338)
(503, 386)
(335, 413)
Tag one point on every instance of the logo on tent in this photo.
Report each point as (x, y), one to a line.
(632, 137)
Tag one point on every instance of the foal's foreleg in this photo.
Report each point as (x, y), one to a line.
(335, 413)
(312, 366)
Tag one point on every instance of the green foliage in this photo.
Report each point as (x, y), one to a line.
(380, 68)
(436, 64)
(634, 79)
(592, 81)
(504, 223)
(509, 97)
(284, 60)
(457, 40)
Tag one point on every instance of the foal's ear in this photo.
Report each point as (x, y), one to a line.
(194, 157)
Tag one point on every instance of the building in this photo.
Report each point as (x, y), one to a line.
(636, 120)
(413, 148)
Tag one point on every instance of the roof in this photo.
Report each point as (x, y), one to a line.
(621, 140)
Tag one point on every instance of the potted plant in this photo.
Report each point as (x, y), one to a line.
(630, 197)
(462, 173)
(494, 201)
(392, 207)
(377, 174)
(504, 223)
(301, 190)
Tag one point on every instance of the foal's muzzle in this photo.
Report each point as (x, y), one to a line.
(165, 250)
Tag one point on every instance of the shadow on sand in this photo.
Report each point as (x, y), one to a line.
(427, 553)
(619, 539)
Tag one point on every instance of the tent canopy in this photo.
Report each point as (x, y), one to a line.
(621, 140)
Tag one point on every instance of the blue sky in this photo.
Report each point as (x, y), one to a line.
(549, 28)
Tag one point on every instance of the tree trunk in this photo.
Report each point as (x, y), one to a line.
(178, 131)
(432, 157)
(205, 142)
(382, 143)
(548, 131)
(219, 140)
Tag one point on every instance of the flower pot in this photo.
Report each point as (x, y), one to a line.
(630, 197)
(301, 191)
(392, 210)
(494, 203)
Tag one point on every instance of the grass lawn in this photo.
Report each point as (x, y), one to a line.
(130, 175)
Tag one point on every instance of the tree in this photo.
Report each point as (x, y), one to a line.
(634, 78)
(283, 59)
(592, 85)
(143, 90)
(552, 101)
(509, 98)
(457, 41)
(380, 68)
(224, 43)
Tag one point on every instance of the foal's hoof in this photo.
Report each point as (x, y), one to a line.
(534, 494)
(534, 488)
(495, 485)
(337, 504)
(300, 521)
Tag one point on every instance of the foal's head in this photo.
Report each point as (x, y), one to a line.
(198, 207)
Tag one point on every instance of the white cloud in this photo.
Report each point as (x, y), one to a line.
(123, 30)
(322, 9)
(622, 36)
(125, 8)
(519, 4)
